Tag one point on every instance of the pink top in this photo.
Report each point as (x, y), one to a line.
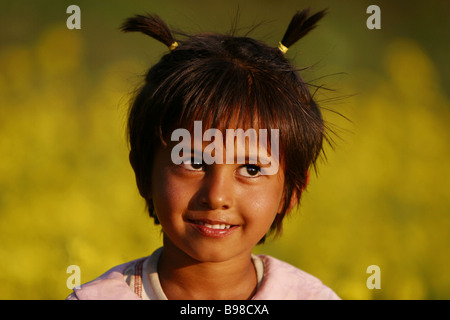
(278, 281)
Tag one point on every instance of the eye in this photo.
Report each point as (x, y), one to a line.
(250, 171)
(191, 165)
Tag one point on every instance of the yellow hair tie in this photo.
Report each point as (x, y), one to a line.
(173, 45)
(282, 48)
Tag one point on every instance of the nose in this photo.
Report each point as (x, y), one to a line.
(216, 192)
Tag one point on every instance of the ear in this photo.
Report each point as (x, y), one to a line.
(292, 203)
(294, 197)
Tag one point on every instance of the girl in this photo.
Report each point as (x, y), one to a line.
(214, 199)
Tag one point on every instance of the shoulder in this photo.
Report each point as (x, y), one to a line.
(283, 281)
(109, 286)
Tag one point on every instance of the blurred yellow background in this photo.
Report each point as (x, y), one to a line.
(382, 197)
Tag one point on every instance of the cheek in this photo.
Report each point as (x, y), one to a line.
(263, 203)
(169, 196)
(261, 206)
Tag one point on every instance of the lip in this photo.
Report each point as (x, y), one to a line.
(212, 228)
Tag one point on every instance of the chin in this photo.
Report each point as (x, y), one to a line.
(213, 253)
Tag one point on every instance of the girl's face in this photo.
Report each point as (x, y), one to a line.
(214, 212)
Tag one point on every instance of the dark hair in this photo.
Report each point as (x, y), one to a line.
(222, 80)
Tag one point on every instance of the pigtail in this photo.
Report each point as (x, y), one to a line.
(299, 26)
(151, 25)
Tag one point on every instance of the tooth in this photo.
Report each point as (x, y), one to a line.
(214, 226)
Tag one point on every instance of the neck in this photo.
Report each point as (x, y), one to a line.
(184, 278)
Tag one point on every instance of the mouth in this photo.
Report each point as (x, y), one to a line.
(214, 229)
(219, 226)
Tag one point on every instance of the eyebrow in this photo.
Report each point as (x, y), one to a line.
(195, 155)
(248, 159)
